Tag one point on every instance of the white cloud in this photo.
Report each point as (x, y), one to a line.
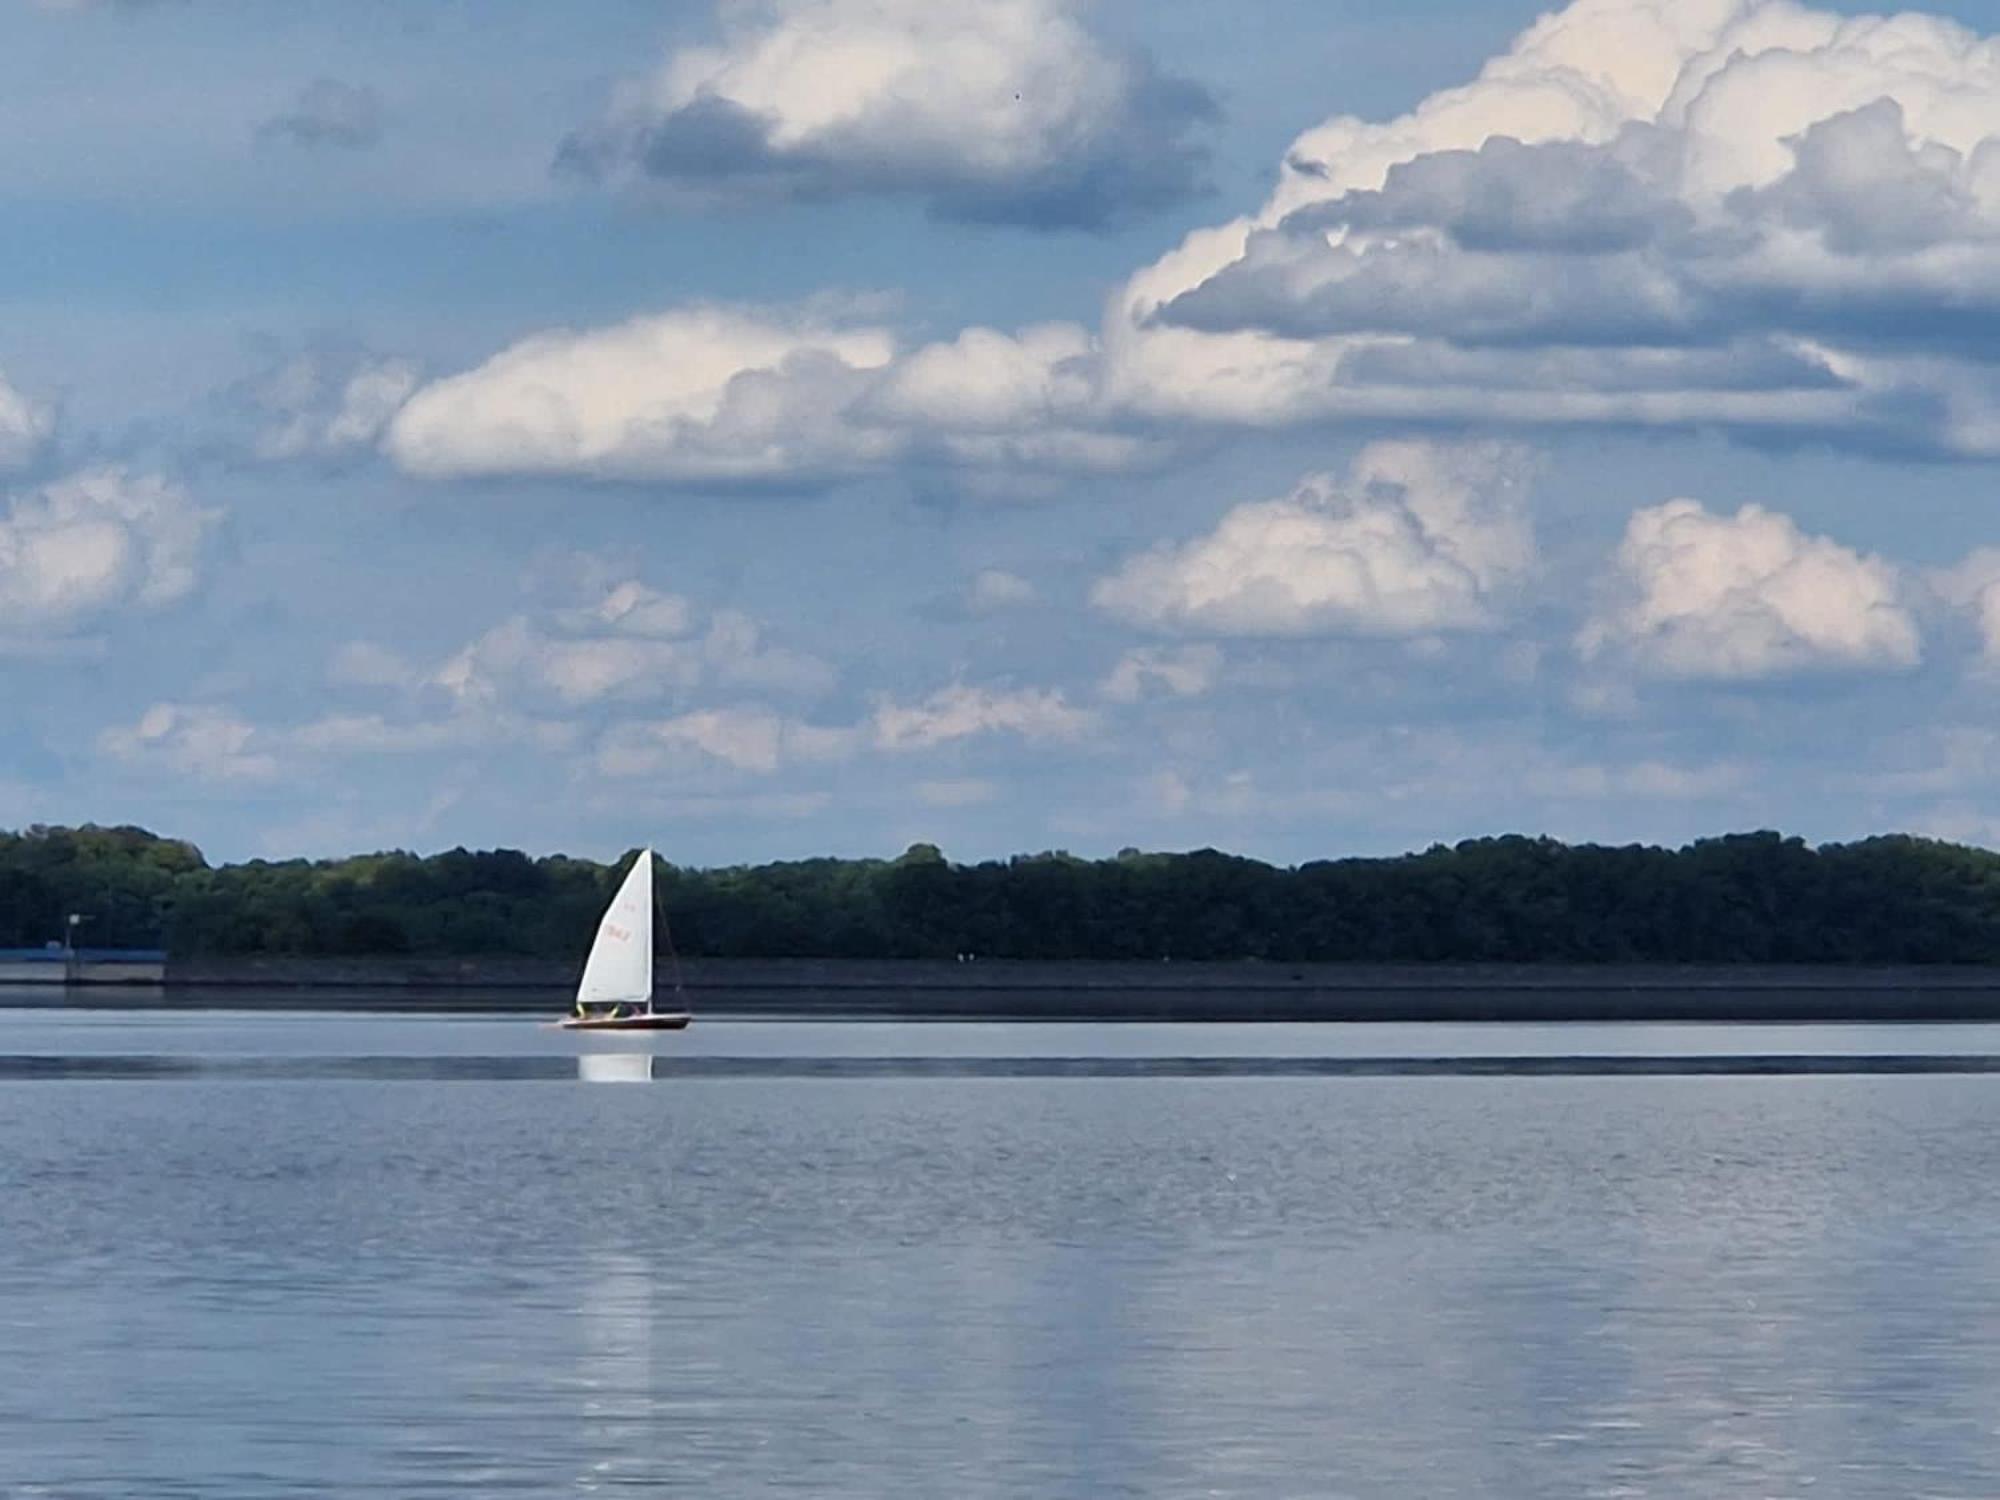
(213, 742)
(323, 405)
(539, 680)
(994, 590)
(1701, 596)
(1001, 110)
(368, 665)
(633, 643)
(752, 739)
(97, 541)
(1185, 672)
(1416, 538)
(962, 711)
(1974, 587)
(519, 658)
(758, 740)
(696, 395)
(372, 734)
(706, 396)
(1008, 407)
(985, 380)
(24, 426)
(1735, 213)
(197, 740)
(735, 652)
(631, 608)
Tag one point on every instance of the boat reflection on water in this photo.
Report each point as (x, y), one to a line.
(615, 1067)
(615, 1319)
(613, 1378)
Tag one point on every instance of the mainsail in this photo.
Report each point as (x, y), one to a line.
(620, 968)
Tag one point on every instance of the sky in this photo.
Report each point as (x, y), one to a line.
(771, 428)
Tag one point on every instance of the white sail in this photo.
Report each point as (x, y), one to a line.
(620, 968)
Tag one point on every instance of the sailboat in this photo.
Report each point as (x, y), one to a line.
(616, 993)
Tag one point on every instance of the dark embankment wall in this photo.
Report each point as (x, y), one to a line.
(1132, 991)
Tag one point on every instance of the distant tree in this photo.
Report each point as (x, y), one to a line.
(1749, 897)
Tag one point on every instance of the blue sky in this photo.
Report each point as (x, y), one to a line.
(809, 426)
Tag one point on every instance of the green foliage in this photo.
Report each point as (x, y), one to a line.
(1749, 898)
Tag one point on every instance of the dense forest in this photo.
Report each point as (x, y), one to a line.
(1755, 897)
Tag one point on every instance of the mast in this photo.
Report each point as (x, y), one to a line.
(673, 958)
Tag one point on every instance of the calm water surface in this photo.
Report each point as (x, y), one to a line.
(1020, 1286)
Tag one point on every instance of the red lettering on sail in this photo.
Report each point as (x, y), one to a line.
(613, 930)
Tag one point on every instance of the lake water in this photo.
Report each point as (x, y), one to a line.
(368, 1256)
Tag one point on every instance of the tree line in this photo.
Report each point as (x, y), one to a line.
(1754, 897)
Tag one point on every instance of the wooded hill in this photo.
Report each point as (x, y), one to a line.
(1755, 897)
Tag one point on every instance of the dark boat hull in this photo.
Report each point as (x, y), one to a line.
(657, 1020)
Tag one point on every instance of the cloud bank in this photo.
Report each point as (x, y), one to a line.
(1736, 215)
(721, 396)
(1740, 214)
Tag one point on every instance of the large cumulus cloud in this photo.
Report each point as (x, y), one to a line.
(1739, 213)
(1700, 596)
(1416, 538)
(998, 111)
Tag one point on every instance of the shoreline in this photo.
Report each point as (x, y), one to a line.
(1028, 976)
(1084, 991)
